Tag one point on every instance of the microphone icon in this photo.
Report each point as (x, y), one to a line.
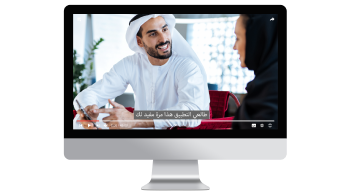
(30, 25)
(272, 19)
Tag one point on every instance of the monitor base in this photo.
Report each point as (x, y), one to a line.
(176, 185)
(175, 175)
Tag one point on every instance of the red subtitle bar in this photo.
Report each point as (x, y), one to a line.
(88, 120)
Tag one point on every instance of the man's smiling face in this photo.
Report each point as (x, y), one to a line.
(155, 38)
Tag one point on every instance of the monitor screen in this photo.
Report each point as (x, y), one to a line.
(159, 75)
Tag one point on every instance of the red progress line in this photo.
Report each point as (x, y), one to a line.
(88, 120)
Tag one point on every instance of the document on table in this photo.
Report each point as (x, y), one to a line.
(76, 125)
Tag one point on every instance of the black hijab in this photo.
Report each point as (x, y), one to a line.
(261, 101)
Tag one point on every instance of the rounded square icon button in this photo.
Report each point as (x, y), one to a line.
(316, 107)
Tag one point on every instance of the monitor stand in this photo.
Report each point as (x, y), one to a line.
(175, 175)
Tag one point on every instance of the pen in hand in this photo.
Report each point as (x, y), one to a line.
(85, 114)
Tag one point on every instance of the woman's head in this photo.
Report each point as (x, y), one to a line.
(257, 41)
(240, 43)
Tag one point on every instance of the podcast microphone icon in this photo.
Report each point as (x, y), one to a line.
(272, 19)
(30, 25)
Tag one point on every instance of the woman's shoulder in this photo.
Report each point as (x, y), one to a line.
(270, 74)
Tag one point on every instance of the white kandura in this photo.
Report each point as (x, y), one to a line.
(179, 84)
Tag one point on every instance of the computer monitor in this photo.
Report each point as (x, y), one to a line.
(175, 154)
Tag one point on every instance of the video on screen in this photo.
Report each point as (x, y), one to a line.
(175, 72)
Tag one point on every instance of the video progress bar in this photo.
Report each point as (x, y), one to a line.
(205, 120)
(88, 120)
(213, 120)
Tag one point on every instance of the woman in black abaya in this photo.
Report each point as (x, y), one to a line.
(257, 45)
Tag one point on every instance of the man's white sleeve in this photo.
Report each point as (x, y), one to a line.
(191, 96)
(113, 84)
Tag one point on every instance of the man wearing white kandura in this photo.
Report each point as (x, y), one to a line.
(165, 74)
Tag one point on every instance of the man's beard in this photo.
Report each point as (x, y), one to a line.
(154, 51)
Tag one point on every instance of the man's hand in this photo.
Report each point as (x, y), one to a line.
(119, 117)
(93, 116)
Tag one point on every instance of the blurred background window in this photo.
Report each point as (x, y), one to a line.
(79, 31)
(112, 28)
(213, 39)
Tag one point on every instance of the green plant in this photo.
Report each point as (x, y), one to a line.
(78, 69)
